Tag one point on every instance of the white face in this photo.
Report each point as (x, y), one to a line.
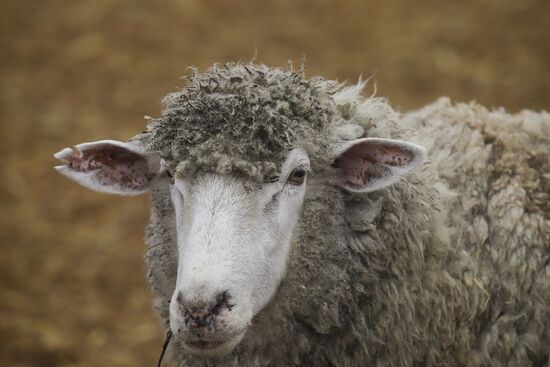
(233, 243)
(233, 236)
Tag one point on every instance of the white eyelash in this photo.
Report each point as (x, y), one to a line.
(302, 166)
(306, 167)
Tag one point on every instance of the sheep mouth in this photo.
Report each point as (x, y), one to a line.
(206, 348)
(204, 344)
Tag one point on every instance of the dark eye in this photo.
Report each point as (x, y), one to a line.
(297, 176)
(170, 176)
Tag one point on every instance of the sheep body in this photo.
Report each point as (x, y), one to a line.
(448, 267)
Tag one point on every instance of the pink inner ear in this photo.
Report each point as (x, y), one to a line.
(113, 165)
(366, 162)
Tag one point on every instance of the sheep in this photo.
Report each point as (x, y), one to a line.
(296, 222)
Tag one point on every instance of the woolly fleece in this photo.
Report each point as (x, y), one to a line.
(242, 119)
(450, 266)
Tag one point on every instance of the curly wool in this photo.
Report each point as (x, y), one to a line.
(242, 119)
(447, 267)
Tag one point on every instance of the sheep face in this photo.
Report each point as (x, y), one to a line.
(233, 233)
(228, 160)
(233, 239)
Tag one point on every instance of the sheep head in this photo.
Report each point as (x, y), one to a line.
(237, 177)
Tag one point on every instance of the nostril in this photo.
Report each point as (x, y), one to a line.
(200, 315)
(222, 302)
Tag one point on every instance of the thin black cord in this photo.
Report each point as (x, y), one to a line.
(164, 346)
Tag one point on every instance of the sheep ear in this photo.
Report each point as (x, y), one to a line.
(371, 164)
(108, 166)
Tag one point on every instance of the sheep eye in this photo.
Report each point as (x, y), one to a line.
(170, 176)
(297, 176)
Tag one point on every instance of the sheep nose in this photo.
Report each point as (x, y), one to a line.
(197, 315)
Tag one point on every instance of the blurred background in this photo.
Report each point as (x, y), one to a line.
(72, 279)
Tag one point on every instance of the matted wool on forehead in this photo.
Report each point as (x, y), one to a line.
(242, 119)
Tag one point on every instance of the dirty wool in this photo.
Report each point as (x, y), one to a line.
(449, 266)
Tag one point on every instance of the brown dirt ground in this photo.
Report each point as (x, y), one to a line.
(72, 285)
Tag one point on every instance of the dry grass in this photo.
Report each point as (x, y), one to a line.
(72, 288)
